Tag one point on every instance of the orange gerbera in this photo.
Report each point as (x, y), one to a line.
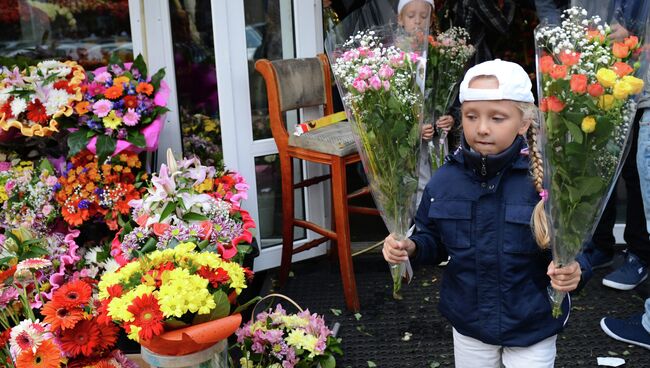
(145, 88)
(113, 92)
(147, 314)
(46, 356)
(82, 107)
(82, 339)
(73, 215)
(60, 317)
(73, 294)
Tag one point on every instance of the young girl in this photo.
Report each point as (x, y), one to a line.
(414, 16)
(477, 210)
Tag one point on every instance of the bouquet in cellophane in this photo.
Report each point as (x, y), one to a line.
(587, 87)
(448, 54)
(380, 74)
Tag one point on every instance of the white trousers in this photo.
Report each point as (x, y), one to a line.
(472, 353)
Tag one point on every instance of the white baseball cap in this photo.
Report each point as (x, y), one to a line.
(514, 83)
(403, 3)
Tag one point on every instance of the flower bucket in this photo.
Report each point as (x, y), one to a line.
(191, 340)
(216, 356)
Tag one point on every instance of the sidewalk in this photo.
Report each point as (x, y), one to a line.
(412, 333)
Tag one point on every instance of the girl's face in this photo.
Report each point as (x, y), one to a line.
(490, 127)
(415, 16)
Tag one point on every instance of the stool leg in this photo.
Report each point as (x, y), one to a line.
(339, 195)
(286, 165)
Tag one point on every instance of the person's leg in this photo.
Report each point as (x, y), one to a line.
(643, 162)
(540, 355)
(634, 270)
(472, 353)
(636, 234)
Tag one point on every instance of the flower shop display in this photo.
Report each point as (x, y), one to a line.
(88, 191)
(447, 56)
(155, 295)
(32, 100)
(275, 338)
(188, 202)
(122, 109)
(588, 89)
(380, 74)
(202, 138)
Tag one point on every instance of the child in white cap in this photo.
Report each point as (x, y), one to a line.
(477, 210)
(414, 16)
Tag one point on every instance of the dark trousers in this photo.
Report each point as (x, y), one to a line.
(636, 235)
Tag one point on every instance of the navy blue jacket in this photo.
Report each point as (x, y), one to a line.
(477, 211)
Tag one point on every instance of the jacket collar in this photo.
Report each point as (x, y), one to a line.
(487, 167)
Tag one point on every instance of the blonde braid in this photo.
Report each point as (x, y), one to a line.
(538, 221)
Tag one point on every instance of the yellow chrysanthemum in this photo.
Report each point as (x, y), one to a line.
(606, 77)
(635, 83)
(112, 278)
(135, 333)
(293, 321)
(237, 275)
(181, 292)
(606, 102)
(588, 124)
(300, 340)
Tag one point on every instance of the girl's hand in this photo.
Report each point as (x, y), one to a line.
(397, 251)
(445, 122)
(565, 278)
(427, 132)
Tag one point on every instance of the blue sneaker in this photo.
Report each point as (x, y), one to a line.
(597, 258)
(629, 275)
(628, 330)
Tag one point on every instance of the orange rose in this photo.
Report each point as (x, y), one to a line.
(555, 104)
(578, 83)
(546, 63)
(595, 90)
(569, 58)
(620, 50)
(558, 71)
(595, 35)
(543, 105)
(622, 69)
(82, 107)
(632, 42)
(145, 88)
(113, 92)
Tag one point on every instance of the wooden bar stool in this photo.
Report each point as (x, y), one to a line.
(292, 84)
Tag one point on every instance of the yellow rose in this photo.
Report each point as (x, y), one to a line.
(605, 102)
(588, 124)
(622, 90)
(636, 84)
(606, 77)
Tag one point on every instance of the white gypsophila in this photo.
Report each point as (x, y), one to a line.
(18, 106)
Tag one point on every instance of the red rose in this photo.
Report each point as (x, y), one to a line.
(546, 63)
(555, 104)
(558, 71)
(595, 89)
(578, 83)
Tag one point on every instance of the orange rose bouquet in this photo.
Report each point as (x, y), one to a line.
(588, 90)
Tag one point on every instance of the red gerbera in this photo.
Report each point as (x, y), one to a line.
(4, 337)
(216, 278)
(73, 294)
(36, 112)
(61, 317)
(130, 102)
(82, 339)
(108, 336)
(4, 275)
(46, 356)
(147, 314)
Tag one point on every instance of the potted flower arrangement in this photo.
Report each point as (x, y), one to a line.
(277, 339)
(122, 109)
(188, 202)
(88, 190)
(33, 99)
(175, 301)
